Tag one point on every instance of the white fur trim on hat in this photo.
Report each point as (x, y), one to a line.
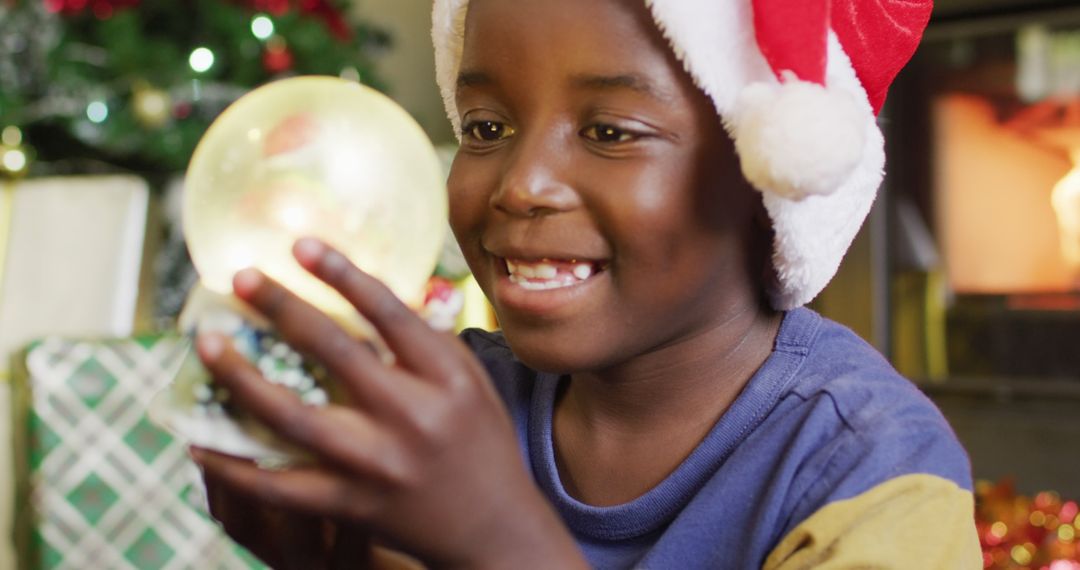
(798, 138)
(448, 36)
(817, 203)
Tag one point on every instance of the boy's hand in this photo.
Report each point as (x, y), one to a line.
(285, 539)
(424, 453)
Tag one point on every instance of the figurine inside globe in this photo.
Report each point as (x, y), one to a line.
(303, 157)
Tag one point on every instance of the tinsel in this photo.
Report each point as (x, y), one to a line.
(1017, 531)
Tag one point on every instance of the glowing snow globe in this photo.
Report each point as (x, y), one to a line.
(308, 156)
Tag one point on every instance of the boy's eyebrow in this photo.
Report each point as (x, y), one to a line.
(630, 81)
(473, 79)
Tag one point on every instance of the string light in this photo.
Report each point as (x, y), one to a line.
(97, 112)
(1020, 532)
(201, 60)
(14, 160)
(262, 27)
(11, 136)
(1066, 533)
(350, 74)
(1022, 554)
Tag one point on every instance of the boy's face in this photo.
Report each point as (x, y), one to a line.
(596, 196)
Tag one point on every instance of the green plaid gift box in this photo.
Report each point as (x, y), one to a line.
(99, 486)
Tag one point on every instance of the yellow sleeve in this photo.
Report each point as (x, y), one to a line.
(914, 521)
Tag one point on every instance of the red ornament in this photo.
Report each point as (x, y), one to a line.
(182, 110)
(331, 16)
(442, 304)
(275, 7)
(277, 58)
(323, 9)
(102, 9)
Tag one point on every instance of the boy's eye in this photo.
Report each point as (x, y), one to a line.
(488, 131)
(607, 134)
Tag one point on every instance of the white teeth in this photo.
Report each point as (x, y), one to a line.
(583, 271)
(536, 285)
(526, 271)
(545, 271)
(541, 275)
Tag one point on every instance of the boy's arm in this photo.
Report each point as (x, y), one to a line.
(912, 521)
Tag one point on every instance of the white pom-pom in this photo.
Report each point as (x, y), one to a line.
(798, 138)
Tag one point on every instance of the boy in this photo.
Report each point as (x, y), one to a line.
(673, 406)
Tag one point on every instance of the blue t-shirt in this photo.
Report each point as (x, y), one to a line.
(825, 448)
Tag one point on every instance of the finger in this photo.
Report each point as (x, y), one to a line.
(418, 347)
(308, 490)
(364, 449)
(310, 331)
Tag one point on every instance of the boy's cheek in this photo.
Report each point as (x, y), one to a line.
(469, 190)
(466, 222)
(466, 218)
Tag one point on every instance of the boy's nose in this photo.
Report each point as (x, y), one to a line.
(534, 182)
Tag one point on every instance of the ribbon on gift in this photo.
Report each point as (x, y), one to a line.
(7, 207)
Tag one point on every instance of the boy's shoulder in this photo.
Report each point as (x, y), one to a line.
(852, 380)
(865, 451)
(857, 422)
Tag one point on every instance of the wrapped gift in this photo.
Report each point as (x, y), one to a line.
(99, 485)
(70, 260)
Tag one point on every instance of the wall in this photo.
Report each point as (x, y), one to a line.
(409, 67)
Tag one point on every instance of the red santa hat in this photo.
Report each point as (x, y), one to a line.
(798, 85)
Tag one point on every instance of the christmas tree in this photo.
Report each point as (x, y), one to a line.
(100, 85)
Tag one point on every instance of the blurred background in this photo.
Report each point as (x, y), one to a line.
(967, 275)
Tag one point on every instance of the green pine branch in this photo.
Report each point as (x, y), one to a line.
(54, 68)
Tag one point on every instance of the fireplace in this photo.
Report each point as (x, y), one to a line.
(967, 274)
(969, 268)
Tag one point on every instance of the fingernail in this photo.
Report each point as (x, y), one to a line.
(211, 346)
(308, 250)
(246, 281)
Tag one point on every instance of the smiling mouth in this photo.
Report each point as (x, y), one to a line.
(551, 273)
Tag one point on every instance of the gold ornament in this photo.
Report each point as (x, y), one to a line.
(152, 106)
(15, 157)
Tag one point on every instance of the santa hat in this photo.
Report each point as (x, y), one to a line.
(798, 85)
